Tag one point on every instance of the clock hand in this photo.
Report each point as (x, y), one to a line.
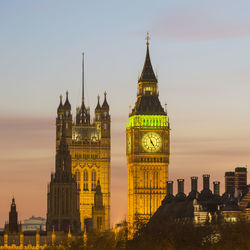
(152, 142)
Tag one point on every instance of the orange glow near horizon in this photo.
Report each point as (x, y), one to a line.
(28, 153)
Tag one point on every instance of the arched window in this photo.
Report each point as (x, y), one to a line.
(85, 180)
(93, 185)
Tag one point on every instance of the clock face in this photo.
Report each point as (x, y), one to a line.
(129, 143)
(151, 142)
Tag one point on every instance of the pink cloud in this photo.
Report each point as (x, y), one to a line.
(205, 20)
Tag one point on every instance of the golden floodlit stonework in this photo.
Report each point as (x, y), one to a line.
(147, 137)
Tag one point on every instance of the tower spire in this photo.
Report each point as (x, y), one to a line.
(82, 77)
(147, 38)
(98, 107)
(147, 74)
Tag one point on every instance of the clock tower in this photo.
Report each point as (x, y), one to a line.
(147, 136)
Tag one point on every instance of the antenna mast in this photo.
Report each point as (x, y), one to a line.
(82, 77)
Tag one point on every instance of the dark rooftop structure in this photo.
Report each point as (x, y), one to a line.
(203, 204)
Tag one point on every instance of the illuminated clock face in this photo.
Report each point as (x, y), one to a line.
(151, 142)
(129, 143)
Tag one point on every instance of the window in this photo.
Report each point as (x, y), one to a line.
(93, 185)
(148, 90)
(78, 156)
(78, 178)
(156, 179)
(85, 180)
(99, 222)
(77, 175)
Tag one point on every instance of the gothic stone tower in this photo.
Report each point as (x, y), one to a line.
(89, 145)
(147, 137)
(13, 226)
(63, 200)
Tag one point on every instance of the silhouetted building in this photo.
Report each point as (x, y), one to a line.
(229, 182)
(63, 200)
(236, 181)
(202, 207)
(12, 226)
(240, 178)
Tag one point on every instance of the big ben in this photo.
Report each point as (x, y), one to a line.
(147, 137)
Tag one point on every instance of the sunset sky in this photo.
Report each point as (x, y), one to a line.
(200, 51)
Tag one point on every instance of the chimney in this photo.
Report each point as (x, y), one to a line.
(206, 178)
(180, 185)
(169, 187)
(194, 181)
(216, 188)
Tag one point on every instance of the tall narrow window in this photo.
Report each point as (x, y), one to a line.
(93, 185)
(77, 175)
(85, 180)
(99, 222)
(147, 179)
(78, 179)
(67, 201)
(157, 179)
